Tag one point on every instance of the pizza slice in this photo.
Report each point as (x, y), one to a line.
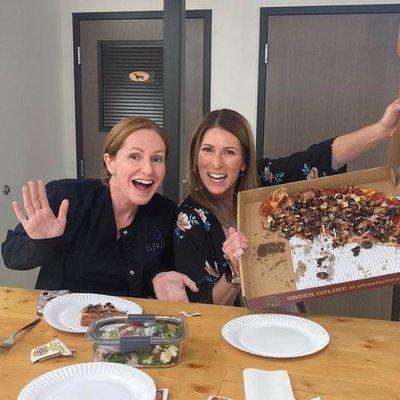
(273, 202)
(94, 312)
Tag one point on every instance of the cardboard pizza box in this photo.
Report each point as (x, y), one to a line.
(274, 273)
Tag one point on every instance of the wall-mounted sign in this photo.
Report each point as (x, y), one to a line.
(141, 76)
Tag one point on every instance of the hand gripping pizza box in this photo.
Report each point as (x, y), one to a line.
(277, 270)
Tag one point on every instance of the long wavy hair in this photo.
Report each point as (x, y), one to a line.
(238, 126)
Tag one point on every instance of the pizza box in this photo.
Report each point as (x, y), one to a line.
(276, 271)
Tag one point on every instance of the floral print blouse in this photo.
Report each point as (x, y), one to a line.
(199, 236)
(198, 240)
(314, 162)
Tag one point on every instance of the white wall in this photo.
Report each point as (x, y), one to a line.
(31, 106)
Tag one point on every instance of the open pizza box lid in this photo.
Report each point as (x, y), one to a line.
(274, 273)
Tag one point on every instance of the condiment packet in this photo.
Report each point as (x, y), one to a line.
(162, 394)
(52, 349)
(189, 314)
(218, 398)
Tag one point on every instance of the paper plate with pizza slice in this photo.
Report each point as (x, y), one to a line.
(74, 312)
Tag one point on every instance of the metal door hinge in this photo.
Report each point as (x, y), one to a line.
(266, 53)
(78, 52)
(82, 170)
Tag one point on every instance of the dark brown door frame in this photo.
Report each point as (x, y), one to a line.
(265, 12)
(78, 17)
(174, 89)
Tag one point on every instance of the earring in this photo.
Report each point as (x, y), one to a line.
(186, 181)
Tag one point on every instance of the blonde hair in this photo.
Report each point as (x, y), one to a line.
(238, 126)
(120, 131)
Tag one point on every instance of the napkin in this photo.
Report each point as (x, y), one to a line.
(271, 385)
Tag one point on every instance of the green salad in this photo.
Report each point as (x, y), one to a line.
(165, 354)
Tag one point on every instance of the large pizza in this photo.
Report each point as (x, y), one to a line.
(346, 214)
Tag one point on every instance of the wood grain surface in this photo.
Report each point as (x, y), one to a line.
(361, 361)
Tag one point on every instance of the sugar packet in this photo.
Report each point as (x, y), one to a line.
(52, 349)
(162, 394)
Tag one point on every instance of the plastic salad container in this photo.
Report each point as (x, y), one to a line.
(138, 340)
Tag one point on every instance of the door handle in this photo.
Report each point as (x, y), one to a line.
(6, 190)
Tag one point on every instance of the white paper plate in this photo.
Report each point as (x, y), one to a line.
(91, 381)
(275, 335)
(64, 312)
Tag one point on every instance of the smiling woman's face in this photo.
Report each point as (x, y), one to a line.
(138, 168)
(220, 161)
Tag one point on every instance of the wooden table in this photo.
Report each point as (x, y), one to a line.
(362, 360)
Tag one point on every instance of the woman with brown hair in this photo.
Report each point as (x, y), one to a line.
(222, 162)
(110, 236)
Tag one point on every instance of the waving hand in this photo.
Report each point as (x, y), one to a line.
(39, 221)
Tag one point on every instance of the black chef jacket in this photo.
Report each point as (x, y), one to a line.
(88, 257)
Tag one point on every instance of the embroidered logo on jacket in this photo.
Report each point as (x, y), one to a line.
(156, 243)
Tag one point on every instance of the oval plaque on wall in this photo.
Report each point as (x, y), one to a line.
(140, 76)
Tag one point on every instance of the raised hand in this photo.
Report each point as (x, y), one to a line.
(234, 247)
(171, 286)
(390, 118)
(39, 221)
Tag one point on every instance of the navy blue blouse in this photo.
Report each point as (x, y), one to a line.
(88, 257)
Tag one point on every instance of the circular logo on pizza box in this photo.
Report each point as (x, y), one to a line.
(272, 301)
